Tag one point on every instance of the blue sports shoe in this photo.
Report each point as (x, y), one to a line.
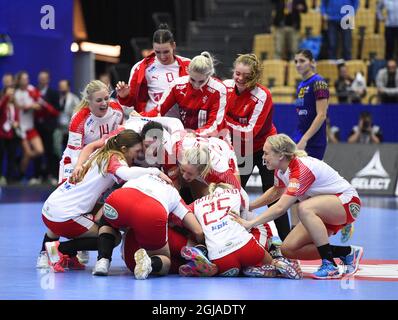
(351, 261)
(347, 232)
(327, 271)
(202, 266)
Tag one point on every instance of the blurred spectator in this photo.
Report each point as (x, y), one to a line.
(333, 16)
(365, 131)
(67, 103)
(391, 26)
(9, 141)
(287, 27)
(332, 132)
(46, 121)
(387, 83)
(27, 99)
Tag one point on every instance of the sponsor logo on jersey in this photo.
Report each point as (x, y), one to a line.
(181, 86)
(373, 176)
(302, 112)
(152, 68)
(204, 99)
(293, 186)
(211, 90)
(110, 212)
(219, 226)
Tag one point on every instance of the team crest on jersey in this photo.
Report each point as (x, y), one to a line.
(181, 86)
(293, 186)
(354, 209)
(110, 212)
(302, 92)
(90, 122)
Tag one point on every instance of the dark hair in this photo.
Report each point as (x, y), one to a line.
(365, 114)
(163, 34)
(18, 77)
(306, 53)
(152, 129)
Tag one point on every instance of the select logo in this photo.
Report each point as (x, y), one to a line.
(373, 176)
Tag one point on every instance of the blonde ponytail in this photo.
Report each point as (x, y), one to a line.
(285, 146)
(91, 87)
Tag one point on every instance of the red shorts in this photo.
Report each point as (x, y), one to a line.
(130, 208)
(71, 228)
(251, 254)
(352, 208)
(262, 233)
(176, 242)
(31, 133)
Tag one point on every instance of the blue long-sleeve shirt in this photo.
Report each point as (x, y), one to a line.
(332, 8)
(392, 12)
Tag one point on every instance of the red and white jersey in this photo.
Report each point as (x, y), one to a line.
(202, 110)
(72, 200)
(249, 116)
(149, 79)
(223, 160)
(85, 128)
(223, 235)
(307, 177)
(24, 99)
(161, 191)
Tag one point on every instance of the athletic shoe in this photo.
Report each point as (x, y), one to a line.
(264, 271)
(101, 267)
(83, 256)
(143, 264)
(73, 263)
(351, 261)
(288, 269)
(42, 261)
(327, 271)
(52, 251)
(202, 264)
(188, 270)
(233, 272)
(347, 232)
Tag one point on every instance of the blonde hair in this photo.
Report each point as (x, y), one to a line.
(198, 157)
(213, 186)
(283, 145)
(203, 64)
(126, 138)
(91, 87)
(251, 60)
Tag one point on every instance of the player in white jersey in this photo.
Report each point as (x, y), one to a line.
(94, 117)
(230, 246)
(151, 76)
(159, 135)
(67, 211)
(206, 160)
(143, 206)
(327, 203)
(27, 100)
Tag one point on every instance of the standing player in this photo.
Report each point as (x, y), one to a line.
(249, 120)
(150, 77)
(311, 107)
(143, 205)
(327, 203)
(201, 98)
